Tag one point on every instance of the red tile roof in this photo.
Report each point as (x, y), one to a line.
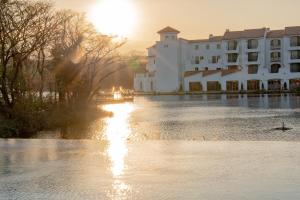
(191, 73)
(229, 71)
(248, 33)
(210, 72)
(293, 30)
(211, 39)
(275, 34)
(168, 29)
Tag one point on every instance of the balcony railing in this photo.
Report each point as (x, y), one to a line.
(275, 47)
(295, 44)
(275, 59)
(295, 55)
(232, 48)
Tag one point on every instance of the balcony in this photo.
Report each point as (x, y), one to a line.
(233, 59)
(253, 58)
(232, 46)
(274, 69)
(275, 47)
(252, 44)
(275, 44)
(294, 56)
(294, 43)
(275, 59)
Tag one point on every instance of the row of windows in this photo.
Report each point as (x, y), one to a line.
(172, 37)
(208, 46)
(294, 68)
(252, 57)
(253, 69)
(252, 85)
(253, 44)
(213, 59)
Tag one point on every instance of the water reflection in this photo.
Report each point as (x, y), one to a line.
(116, 133)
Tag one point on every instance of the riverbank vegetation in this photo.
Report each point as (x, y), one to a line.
(52, 64)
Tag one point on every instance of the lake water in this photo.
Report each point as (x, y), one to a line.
(206, 117)
(166, 147)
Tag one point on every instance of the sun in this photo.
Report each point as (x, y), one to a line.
(114, 17)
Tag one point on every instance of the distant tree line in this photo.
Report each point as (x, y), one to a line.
(50, 61)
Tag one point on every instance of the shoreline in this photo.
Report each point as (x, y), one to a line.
(208, 93)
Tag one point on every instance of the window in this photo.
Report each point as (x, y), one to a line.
(295, 41)
(206, 68)
(232, 57)
(154, 61)
(207, 46)
(201, 58)
(213, 86)
(253, 85)
(295, 67)
(275, 44)
(215, 59)
(196, 69)
(274, 84)
(167, 37)
(275, 68)
(218, 46)
(232, 45)
(195, 86)
(294, 84)
(232, 85)
(196, 47)
(141, 86)
(173, 37)
(252, 57)
(252, 44)
(197, 60)
(295, 54)
(252, 69)
(275, 56)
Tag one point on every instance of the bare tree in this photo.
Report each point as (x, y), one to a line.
(22, 32)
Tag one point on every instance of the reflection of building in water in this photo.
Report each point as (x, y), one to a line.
(249, 60)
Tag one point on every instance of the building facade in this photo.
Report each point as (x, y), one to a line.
(249, 60)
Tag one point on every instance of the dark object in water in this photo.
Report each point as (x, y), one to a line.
(283, 128)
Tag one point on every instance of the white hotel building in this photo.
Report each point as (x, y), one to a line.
(249, 60)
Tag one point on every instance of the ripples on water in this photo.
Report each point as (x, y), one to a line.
(205, 117)
(113, 169)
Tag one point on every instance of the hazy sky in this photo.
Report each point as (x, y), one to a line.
(196, 19)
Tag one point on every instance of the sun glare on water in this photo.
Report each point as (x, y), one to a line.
(114, 17)
(117, 132)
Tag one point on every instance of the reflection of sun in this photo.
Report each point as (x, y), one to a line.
(114, 17)
(117, 133)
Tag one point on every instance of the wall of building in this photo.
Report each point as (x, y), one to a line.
(171, 57)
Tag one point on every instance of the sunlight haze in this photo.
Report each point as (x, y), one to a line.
(198, 18)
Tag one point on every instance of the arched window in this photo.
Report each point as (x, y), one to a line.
(275, 68)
